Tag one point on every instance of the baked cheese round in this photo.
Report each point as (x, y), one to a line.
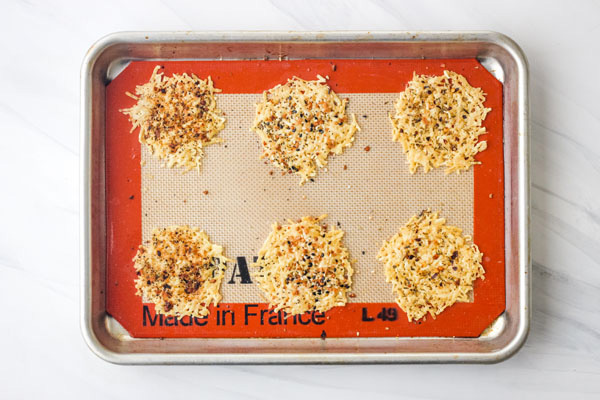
(177, 116)
(300, 123)
(180, 271)
(303, 266)
(430, 265)
(438, 121)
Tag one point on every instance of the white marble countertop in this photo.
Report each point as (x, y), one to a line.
(41, 349)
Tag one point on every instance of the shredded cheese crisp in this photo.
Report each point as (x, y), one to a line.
(177, 116)
(301, 123)
(430, 265)
(303, 266)
(438, 121)
(180, 271)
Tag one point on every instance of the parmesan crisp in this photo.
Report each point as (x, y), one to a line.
(303, 266)
(438, 122)
(301, 123)
(180, 271)
(430, 265)
(177, 116)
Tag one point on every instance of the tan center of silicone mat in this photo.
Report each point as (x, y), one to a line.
(370, 200)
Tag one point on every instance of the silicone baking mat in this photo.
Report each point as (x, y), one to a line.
(236, 197)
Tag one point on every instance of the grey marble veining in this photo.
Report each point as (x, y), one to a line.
(42, 354)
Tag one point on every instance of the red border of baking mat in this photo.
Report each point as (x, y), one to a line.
(123, 207)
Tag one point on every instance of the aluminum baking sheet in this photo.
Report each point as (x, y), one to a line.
(111, 334)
